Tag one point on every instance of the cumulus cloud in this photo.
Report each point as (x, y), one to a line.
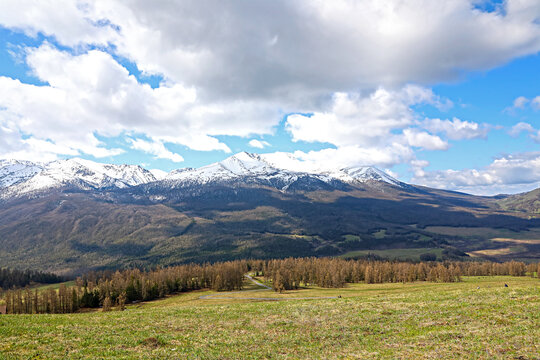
(457, 129)
(230, 49)
(73, 23)
(535, 103)
(91, 94)
(332, 158)
(235, 68)
(522, 102)
(377, 129)
(155, 148)
(424, 140)
(506, 174)
(418, 166)
(365, 43)
(354, 119)
(260, 144)
(520, 127)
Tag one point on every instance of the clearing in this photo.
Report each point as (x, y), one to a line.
(478, 318)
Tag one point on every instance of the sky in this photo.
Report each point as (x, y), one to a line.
(441, 93)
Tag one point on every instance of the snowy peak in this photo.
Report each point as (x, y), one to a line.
(13, 172)
(19, 178)
(238, 166)
(244, 164)
(362, 174)
(246, 167)
(93, 174)
(370, 173)
(24, 177)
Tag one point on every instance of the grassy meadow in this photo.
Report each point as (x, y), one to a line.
(478, 318)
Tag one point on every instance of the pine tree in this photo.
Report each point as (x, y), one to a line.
(277, 283)
(122, 302)
(107, 304)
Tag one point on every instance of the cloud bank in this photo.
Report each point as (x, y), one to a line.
(348, 73)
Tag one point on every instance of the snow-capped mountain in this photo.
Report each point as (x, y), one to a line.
(13, 172)
(254, 168)
(242, 166)
(363, 174)
(24, 177)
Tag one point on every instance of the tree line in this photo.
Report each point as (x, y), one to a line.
(108, 289)
(115, 289)
(10, 278)
(288, 274)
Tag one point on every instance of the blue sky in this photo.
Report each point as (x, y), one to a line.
(442, 94)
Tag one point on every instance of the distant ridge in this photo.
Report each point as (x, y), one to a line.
(18, 178)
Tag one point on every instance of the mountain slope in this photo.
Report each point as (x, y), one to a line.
(20, 178)
(528, 202)
(73, 215)
(13, 172)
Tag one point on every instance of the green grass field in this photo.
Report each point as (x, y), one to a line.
(377, 321)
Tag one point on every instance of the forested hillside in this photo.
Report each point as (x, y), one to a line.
(73, 232)
(10, 278)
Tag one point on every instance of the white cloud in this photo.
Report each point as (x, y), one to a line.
(377, 129)
(71, 22)
(356, 120)
(520, 127)
(457, 129)
(260, 144)
(91, 94)
(228, 49)
(520, 102)
(349, 44)
(506, 174)
(235, 68)
(424, 140)
(155, 148)
(535, 103)
(330, 159)
(417, 167)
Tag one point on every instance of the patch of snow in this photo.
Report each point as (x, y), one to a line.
(158, 174)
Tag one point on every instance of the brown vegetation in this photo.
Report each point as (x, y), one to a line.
(116, 289)
(292, 273)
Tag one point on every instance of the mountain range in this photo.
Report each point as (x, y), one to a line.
(25, 178)
(74, 215)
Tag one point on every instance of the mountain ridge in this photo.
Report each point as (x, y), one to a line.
(74, 215)
(18, 178)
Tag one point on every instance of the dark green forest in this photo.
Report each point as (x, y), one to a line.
(10, 278)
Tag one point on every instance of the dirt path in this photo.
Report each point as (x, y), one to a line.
(257, 283)
(226, 295)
